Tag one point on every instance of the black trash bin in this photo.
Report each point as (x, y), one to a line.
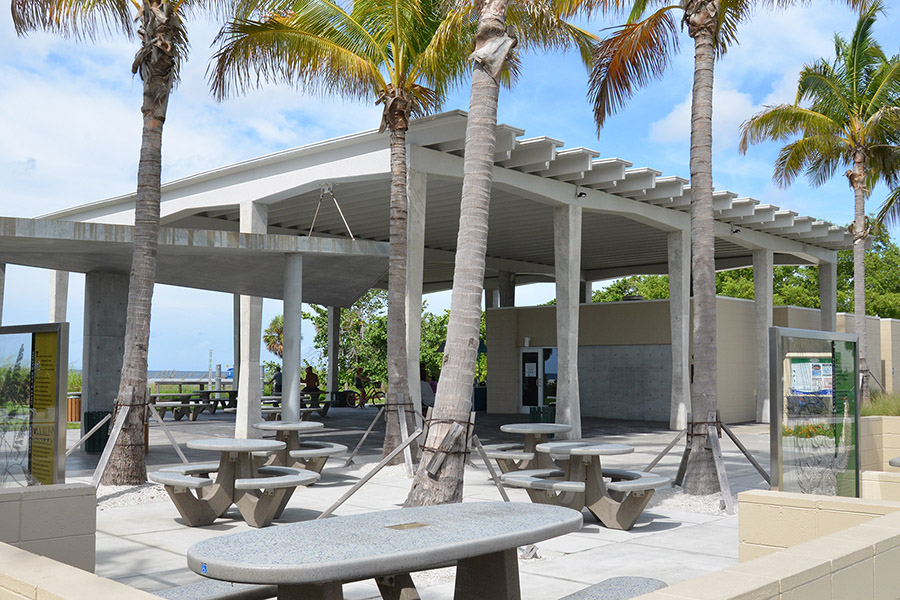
(97, 442)
(543, 414)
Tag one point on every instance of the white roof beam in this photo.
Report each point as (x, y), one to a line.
(604, 171)
(763, 214)
(783, 218)
(818, 229)
(667, 188)
(800, 225)
(570, 164)
(533, 151)
(636, 180)
(742, 207)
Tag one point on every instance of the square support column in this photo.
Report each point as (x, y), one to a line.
(334, 350)
(254, 217)
(567, 259)
(2, 286)
(291, 337)
(59, 295)
(105, 310)
(491, 296)
(236, 332)
(763, 271)
(416, 188)
(584, 292)
(828, 295)
(679, 258)
(506, 284)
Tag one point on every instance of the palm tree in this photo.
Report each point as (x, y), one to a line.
(163, 48)
(846, 114)
(632, 55)
(404, 52)
(273, 336)
(494, 43)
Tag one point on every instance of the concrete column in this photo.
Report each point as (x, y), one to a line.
(236, 317)
(567, 259)
(2, 286)
(506, 283)
(584, 292)
(763, 266)
(334, 349)
(254, 217)
(105, 310)
(293, 297)
(491, 296)
(679, 258)
(59, 295)
(828, 295)
(416, 190)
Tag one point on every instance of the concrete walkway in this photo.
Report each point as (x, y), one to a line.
(145, 545)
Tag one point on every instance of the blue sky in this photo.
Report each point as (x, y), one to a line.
(71, 127)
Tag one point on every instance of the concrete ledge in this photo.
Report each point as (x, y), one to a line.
(57, 521)
(27, 576)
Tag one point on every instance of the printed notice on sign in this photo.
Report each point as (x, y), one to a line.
(44, 400)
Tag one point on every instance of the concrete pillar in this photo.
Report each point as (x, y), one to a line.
(491, 296)
(59, 295)
(584, 292)
(334, 350)
(293, 297)
(567, 259)
(236, 328)
(506, 283)
(254, 217)
(105, 310)
(416, 190)
(679, 258)
(828, 295)
(763, 265)
(2, 286)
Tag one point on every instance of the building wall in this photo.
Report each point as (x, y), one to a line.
(873, 344)
(736, 357)
(797, 317)
(890, 354)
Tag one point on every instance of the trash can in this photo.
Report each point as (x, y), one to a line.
(479, 399)
(543, 414)
(97, 442)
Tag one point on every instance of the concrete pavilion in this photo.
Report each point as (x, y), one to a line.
(557, 214)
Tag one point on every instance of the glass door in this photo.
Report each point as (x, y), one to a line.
(539, 372)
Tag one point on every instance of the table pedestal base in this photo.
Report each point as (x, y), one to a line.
(397, 587)
(488, 577)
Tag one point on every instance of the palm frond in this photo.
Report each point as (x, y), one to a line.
(784, 121)
(890, 209)
(629, 58)
(80, 19)
(816, 156)
(539, 26)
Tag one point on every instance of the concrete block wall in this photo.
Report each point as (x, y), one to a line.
(879, 485)
(736, 356)
(28, 576)
(836, 549)
(879, 442)
(57, 521)
(890, 354)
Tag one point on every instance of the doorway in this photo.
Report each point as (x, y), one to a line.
(538, 376)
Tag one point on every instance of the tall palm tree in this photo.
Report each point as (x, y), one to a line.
(846, 114)
(494, 43)
(163, 48)
(404, 53)
(630, 57)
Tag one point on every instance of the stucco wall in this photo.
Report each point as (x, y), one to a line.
(873, 342)
(797, 317)
(736, 354)
(890, 353)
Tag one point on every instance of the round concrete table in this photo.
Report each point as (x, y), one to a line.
(289, 433)
(235, 462)
(536, 433)
(311, 559)
(895, 462)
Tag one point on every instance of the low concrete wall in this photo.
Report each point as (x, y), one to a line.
(879, 485)
(27, 576)
(57, 521)
(806, 548)
(879, 442)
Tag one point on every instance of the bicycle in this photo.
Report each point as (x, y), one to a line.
(369, 393)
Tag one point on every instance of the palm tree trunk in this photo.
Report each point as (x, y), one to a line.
(454, 396)
(398, 375)
(700, 477)
(860, 233)
(127, 465)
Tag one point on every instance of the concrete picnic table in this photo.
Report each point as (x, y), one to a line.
(536, 433)
(579, 482)
(289, 433)
(312, 559)
(895, 462)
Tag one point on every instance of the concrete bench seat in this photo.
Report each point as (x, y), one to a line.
(263, 499)
(618, 588)
(213, 589)
(538, 479)
(510, 457)
(313, 455)
(172, 479)
(636, 482)
(192, 468)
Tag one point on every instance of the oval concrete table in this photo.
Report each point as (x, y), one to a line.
(289, 433)
(235, 462)
(311, 560)
(536, 433)
(895, 462)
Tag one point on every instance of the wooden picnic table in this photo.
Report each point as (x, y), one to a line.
(312, 559)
